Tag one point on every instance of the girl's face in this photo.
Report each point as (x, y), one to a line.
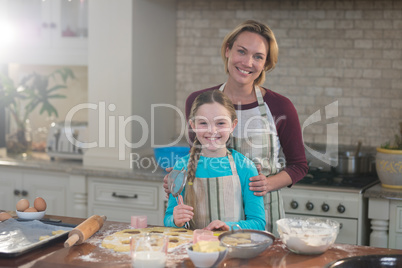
(247, 57)
(213, 125)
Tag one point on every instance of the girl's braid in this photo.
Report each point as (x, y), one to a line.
(189, 196)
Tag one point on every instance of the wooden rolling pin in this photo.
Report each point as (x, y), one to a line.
(85, 230)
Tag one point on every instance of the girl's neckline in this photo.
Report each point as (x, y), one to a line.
(211, 157)
(226, 155)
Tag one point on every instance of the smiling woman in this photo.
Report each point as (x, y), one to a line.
(268, 121)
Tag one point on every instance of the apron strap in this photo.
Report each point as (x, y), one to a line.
(232, 163)
(260, 99)
(261, 104)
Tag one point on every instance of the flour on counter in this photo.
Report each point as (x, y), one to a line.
(88, 258)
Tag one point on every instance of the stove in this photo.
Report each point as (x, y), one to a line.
(324, 194)
(330, 181)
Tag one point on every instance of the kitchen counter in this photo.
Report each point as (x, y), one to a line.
(143, 169)
(74, 190)
(377, 191)
(91, 254)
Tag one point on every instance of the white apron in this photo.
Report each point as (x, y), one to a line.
(261, 148)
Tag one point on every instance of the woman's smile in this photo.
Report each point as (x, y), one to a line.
(243, 71)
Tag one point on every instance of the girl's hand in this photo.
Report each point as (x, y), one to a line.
(259, 183)
(165, 181)
(217, 225)
(182, 213)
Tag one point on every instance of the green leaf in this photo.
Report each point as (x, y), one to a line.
(57, 96)
(36, 92)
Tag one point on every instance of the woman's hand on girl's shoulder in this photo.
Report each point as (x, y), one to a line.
(258, 184)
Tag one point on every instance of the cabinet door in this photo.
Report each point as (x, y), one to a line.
(52, 32)
(27, 23)
(71, 24)
(10, 182)
(53, 187)
(395, 225)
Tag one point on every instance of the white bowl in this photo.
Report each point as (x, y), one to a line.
(31, 215)
(307, 235)
(204, 260)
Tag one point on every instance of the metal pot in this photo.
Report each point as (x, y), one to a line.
(348, 163)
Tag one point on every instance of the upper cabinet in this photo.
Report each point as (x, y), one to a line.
(51, 32)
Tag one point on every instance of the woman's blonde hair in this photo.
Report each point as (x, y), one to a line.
(211, 96)
(261, 29)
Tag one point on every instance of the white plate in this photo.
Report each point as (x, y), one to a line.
(31, 215)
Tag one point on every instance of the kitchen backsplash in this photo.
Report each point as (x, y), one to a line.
(349, 52)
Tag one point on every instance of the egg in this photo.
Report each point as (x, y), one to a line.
(40, 204)
(31, 209)
(22, 205)
(4, 216)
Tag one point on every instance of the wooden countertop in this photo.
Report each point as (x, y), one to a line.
(91, 254)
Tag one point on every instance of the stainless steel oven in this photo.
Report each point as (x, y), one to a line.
(327, 195)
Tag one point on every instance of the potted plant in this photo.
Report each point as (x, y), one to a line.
(389, 162)
(21, 99)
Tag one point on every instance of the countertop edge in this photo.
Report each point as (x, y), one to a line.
(377, 191)
(75, 167)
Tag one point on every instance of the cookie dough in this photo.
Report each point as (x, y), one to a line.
(58, 232)
(120, 241)
(237, 239)
(43, 237)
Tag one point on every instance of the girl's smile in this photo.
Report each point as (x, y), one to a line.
(213, 125)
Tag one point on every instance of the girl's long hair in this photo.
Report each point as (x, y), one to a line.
(211, 96)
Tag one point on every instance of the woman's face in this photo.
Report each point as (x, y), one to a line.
(247, 57)
(212, 126)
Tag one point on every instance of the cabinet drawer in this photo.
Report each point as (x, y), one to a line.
(124, 214)
(125, 195)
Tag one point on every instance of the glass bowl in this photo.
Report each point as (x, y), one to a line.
(308, 235)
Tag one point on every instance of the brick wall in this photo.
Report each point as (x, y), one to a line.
(346, 51)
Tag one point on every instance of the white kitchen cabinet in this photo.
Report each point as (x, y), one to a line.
(16, 184)
(9, 182)
(119, 199)
(395, 225)
(386, 223)
(45, 31)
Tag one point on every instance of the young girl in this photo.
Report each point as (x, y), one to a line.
(216, 195)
